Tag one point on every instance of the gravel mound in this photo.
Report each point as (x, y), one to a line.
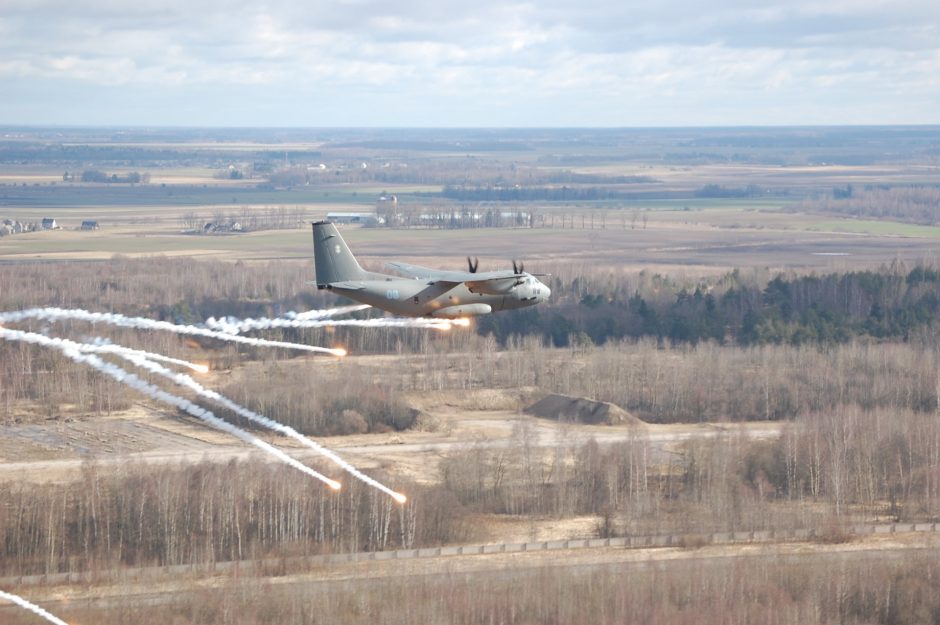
(581, 410)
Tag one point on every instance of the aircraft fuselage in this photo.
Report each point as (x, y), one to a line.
(422, 298)
(429, 292)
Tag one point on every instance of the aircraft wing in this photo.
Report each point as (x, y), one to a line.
(439, 275)
(489, 282)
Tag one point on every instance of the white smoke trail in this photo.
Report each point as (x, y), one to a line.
(186, 381)
(141, 323)
(32, 607)
(73, 351)
(230, 325)
(328, 312)
(233, 326)
(99, 345)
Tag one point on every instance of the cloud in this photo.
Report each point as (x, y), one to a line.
(460, 64)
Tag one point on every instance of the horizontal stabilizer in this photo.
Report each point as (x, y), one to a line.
(347, 285)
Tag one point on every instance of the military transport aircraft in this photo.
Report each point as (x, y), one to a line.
(426, 292)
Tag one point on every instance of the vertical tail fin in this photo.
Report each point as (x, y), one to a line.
(334, 262)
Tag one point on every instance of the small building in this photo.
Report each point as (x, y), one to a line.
(89, 224)
(49, 224)
(353, 218)
(222, 227)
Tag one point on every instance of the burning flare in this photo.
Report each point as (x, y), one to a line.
(181, 379)
(84, 353)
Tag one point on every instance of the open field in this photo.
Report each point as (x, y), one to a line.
(718, 239)
(659, 220)
(793, 178)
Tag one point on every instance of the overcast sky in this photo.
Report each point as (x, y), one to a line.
(461, 63)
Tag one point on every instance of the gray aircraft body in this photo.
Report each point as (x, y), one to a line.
(425, 292)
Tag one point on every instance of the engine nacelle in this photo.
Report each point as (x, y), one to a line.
(464, 310)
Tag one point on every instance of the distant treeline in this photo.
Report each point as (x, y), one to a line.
(718, 191)
(22, 152)
(441, 145)
(95, 175)
(917, 205)
(540, 193)
(834, 308)
(467, 179)
(27, 153)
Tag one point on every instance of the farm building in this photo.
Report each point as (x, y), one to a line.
(353, 218)
(222, 227)
(89, 224)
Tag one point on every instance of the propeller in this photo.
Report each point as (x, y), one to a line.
(473, 264)
(518, 268)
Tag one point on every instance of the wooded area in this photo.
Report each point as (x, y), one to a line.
(791, 347)
(894, 303)
(911, 204)
(827, 469)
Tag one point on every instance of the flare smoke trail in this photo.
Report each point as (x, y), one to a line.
(73, 350)
(186, 381)
(233, 326)
(141, 323)
(32, 607)
(99, 345)
(328, 312)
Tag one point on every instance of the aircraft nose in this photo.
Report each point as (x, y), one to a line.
(546, 293)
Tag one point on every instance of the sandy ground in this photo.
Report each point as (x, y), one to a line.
(56, 450)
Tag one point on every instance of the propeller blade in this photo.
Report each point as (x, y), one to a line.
(473, 265)
(521, 267)
(515, 269)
